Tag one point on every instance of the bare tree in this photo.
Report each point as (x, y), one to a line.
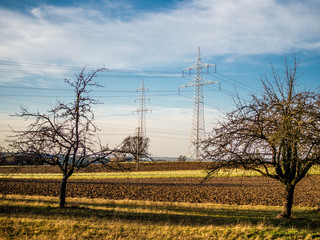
(137, 146)
(64, 136)
(276, 134)
(182, 158)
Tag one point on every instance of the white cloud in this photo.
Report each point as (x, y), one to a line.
(79, 35)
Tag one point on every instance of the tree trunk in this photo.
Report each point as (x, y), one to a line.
(63, 188)
(287, 207)
(137, 158)
(138, 165)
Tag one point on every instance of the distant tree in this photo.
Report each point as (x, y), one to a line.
(64, 136)
(137, 146)
(2, 156)
(276, 134)
(182, 158)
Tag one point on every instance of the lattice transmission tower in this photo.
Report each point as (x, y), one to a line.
(141, 130)
(198, 123)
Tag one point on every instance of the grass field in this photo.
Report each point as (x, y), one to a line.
(34, 217)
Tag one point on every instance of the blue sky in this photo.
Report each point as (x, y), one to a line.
(43, 42)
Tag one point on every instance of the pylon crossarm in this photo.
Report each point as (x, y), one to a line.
(189, 84)
(209, 83)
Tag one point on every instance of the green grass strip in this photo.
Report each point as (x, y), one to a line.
(122, 175)
(144, 174)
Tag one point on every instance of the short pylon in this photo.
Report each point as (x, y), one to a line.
(142, 109)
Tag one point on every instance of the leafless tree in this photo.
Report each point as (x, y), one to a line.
(277, 133)
(182, 158)
(65, 135)
(137, 146)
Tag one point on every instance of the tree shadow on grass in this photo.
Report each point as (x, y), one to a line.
(29, 200)
(167, 214)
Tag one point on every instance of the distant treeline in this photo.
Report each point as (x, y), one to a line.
(18, 159)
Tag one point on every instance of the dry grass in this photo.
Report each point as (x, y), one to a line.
(26, 217)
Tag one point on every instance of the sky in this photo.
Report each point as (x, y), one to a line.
(42, 42)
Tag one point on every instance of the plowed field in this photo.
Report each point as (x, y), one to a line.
(224, 190)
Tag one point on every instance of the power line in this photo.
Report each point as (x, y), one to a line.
(233, 82)
(174, 92)
(229, 93)
(134, 73)
(70, 96)
(169, 137)
(206, 104)
(149, 73)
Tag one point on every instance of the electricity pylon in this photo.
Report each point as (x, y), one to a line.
(198, 125)
(142, 110)
(141, 129)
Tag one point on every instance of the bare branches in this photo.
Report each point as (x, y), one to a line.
(64, 135)
(137, 146)
(276, 133)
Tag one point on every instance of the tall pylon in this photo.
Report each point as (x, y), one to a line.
(141, 130)
(198, 123)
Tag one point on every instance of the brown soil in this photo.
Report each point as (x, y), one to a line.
(224, 190)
